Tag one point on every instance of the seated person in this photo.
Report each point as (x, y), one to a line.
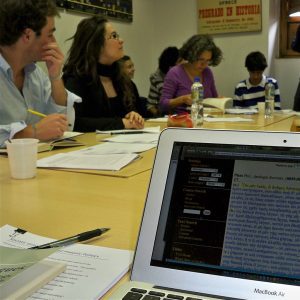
(127, 68)
(168, 58)
(250, 91)
(92, 72)
(23, 85)
(199, 52)
(296, 47)
(296, 105)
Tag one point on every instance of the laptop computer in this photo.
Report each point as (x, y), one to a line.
(222, 218)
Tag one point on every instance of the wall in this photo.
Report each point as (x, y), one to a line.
(158, 24)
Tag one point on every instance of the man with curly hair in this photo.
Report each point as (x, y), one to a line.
(26, 37)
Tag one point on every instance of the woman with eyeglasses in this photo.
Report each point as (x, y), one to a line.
(92, 72)
(199, 52)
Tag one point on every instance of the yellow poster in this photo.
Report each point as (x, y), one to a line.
(227, 16)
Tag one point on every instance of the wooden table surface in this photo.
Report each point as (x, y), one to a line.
(58, 204)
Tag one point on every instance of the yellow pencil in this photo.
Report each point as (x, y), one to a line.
(36, 113)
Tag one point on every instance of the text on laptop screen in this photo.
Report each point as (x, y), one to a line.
(232, 210)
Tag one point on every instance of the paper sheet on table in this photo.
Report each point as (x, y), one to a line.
(115, 148)
(13, 261)
(241, 111)
(144, 138)
(234, 119)
(91, 270)
(162, 119)
(287, 112)
(109, 162)
(155, 129)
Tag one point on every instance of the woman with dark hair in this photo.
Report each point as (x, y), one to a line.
(168, 58)
(199, 52)
(92, 72)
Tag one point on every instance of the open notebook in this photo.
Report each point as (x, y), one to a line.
(222, 218)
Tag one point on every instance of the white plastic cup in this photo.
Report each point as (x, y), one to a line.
(261, 107)
(22, 156)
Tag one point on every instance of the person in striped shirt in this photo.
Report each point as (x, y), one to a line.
(168, 58)
(250, 91)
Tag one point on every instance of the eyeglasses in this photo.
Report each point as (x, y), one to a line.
(114, 36)
(204, 61)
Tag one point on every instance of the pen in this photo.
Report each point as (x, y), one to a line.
(129, 132)
(36, 113)
(73, 239)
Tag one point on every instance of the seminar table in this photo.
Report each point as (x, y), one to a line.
(60, 203)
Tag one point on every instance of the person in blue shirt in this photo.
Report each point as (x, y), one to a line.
(249, 92)
(26, 37)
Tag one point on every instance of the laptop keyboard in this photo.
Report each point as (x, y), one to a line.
(141, 294)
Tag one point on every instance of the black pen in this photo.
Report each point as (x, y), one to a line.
(129, 132)
(73, 239)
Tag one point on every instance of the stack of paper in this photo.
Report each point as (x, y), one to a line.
(123, 149)
(223, 119)
(155, 129)
(148, 138)
(241, 111)
(70, 160)
(91, 270)
(116, 148)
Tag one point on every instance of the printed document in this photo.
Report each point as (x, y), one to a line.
(233, 119)
(91, 270)
(128, 131)
(115, 148)
(241, 111)
(70, 160)
(135, 138)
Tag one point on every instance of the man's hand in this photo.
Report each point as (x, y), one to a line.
(54, 60)
(51, 127)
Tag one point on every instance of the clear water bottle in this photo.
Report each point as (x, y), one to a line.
(269, 99)
(197, 102)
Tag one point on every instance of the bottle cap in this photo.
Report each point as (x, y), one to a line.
(196, 79)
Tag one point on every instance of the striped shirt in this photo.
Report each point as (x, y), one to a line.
(156, 84)
(247, 95)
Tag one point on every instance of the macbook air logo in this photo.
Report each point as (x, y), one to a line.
(269, 293)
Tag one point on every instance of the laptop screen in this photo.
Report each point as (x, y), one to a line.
(231, 210)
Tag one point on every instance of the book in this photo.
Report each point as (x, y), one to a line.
(30, 280)
(221, 103)
(42, 146)
(67, 140)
